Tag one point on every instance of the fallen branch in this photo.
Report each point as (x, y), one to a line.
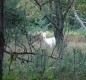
(78, 19)
(19, 53)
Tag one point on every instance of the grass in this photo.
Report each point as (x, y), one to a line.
(71, 67)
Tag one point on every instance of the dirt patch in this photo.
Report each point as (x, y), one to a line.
(75, 38)
(70, 37)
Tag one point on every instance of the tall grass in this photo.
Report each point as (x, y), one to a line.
(71, 67)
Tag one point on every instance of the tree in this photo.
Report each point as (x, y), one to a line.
(1, 38)
(57, 16)
(79, 7)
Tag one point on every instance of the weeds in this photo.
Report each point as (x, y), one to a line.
(71, 67)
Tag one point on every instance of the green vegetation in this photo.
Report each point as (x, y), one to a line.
(72, 66)
(26, 58)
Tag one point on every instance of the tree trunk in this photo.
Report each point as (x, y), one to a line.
(58, 27)
(1, 38)
(59, 36)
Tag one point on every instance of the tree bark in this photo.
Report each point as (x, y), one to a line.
(59, 36)
(58, 28)
(1, 39)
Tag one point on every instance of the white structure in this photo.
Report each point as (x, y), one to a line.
(49, 41)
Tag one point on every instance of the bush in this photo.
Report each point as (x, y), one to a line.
(72, 66)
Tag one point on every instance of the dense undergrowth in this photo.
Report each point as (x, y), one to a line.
(71, 67)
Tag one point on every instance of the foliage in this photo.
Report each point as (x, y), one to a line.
(72, 66)
(23, 17)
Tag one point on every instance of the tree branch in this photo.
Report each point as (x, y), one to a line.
(69, 4)
(78, 19)
(52, 22)
(38, 4)
(19, 53)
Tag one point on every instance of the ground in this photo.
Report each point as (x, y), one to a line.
(73, 40)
